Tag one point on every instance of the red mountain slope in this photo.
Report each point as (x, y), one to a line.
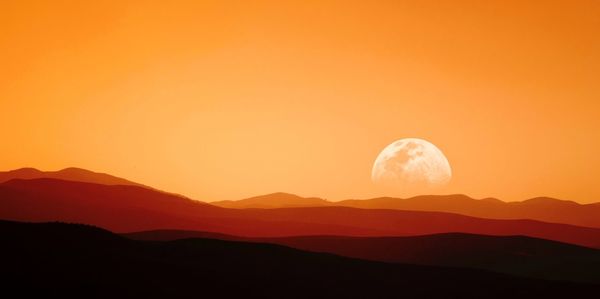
(541, 208)
(67, 174)
(131, 208)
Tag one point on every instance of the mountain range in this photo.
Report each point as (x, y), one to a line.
(515, 255)
(540, 208)
(122, 208)
(540, 239)
(75, 261)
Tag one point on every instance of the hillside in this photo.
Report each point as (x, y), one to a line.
(76, 261)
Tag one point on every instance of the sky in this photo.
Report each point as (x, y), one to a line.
(230, 99)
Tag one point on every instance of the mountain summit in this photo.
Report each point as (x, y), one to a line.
(273, 200)
(67, 174)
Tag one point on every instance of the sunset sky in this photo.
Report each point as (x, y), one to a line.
(230, 99)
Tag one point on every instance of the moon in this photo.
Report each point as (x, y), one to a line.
(411, 164)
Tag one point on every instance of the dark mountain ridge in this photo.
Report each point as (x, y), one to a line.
(74, 261)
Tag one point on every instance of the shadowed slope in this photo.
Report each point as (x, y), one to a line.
(541, 208)
(516, 255)
(130, 208)
(74, 261)
(405, 223)
(124, 208)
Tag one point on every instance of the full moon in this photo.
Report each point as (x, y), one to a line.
(411, 164)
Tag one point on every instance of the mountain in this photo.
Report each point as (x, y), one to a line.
(130, 208)
(274, 200)
(74, 261)
(67, 174)
(515, 255)
(125, 208)
(541, 208)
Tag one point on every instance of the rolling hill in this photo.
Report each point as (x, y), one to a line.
(74, 261)
(123, 208)
(272, 201)
(540, 208)
(515, 255)
(67, 174)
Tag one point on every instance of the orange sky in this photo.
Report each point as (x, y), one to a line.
(230, 99)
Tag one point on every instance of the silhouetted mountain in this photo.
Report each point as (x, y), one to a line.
(67, 174)
(541, 208)
(130, 208)
(75, 261)
(515, 255)
(273, 200)
(173, 234)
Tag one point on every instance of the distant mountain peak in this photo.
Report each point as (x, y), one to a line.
(280, 195)
(75, 169)
(25, 170)
(461, 197)
(491, 199)
(68, 174)
(272, 200)
(547, 200)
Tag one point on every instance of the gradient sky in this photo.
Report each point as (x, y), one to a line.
(230, 99)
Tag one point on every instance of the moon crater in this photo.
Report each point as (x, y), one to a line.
(411, 163)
